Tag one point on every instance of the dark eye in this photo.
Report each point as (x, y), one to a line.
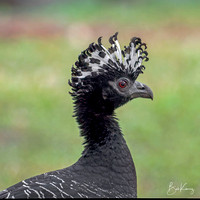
(123, 83)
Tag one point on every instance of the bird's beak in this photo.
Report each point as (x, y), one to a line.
(141, 90)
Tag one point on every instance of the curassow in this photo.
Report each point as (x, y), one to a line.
(103, 80)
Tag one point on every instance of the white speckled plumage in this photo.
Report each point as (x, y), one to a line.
(96, 56)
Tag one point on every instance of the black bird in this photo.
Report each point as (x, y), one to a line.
(102, 80)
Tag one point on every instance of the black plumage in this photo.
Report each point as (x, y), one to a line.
(102, 81)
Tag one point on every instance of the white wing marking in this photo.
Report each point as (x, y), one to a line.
(42, 194)
(32, 190)
(57, 178)
(40, 183)
(8, 195)
(54, 196)
(24, 182)
(27, 194)
(61, 190)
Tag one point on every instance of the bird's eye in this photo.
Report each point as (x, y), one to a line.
(123, 83)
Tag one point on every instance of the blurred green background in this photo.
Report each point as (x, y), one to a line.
(39, 42)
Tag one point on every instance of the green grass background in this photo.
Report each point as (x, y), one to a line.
(37, 131)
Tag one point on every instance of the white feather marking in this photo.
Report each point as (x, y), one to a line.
(61, 185)
(84, 196)
(33, 190)
(61, 190)
(57, 178)
(28, 191)
(54, 195)
(42, 194)
(106, 51)
(24, 182)
(74, 181)
(119, 55)
(80, 195)
(84, 74)
(40, 183)
(103, 190)
(90, 190)
(62, 195)
(27, 194)
(8, 195)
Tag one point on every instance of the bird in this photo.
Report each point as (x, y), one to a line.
(102, 80)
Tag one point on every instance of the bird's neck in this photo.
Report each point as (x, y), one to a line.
(106, 151)
(100, 129)
(96, 120)
(105, 148)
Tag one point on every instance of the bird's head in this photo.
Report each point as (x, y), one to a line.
(106, 78)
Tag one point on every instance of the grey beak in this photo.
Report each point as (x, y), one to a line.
(141, 90)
